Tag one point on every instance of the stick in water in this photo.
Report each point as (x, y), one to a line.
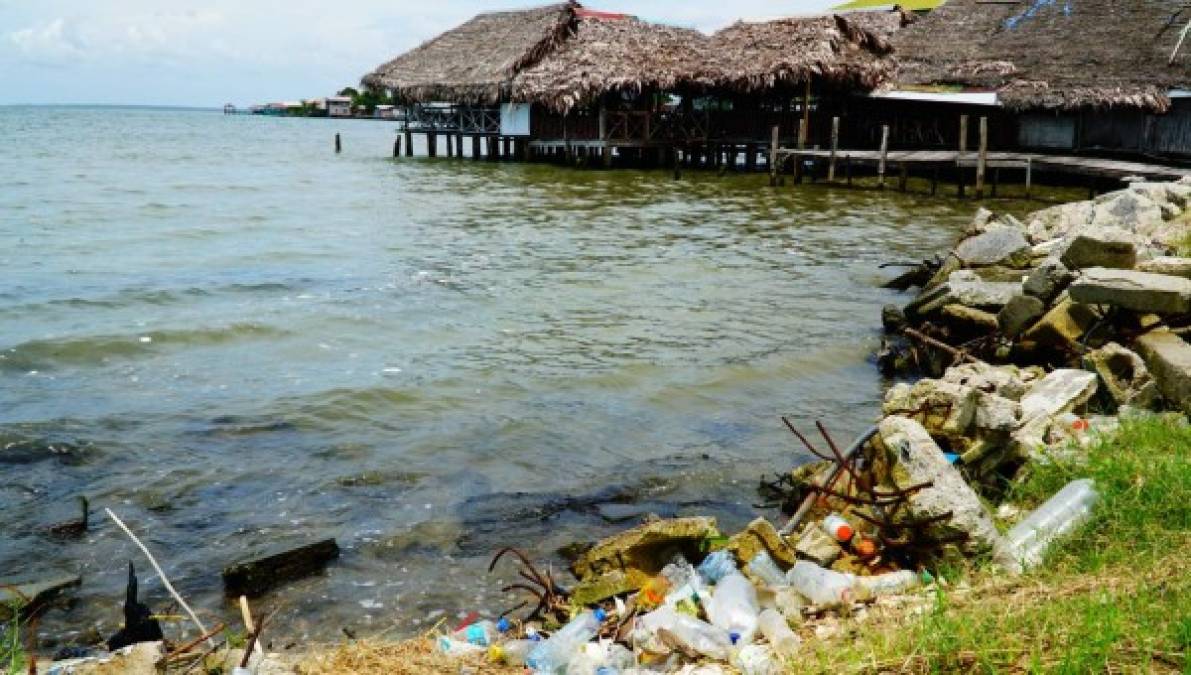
(168, 586)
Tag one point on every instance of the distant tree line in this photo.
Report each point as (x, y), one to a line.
(368, 99)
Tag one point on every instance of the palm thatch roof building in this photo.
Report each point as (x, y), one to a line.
(1053, 54)
(474, 62)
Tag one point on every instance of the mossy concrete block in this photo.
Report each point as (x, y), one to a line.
(258, 575)
(640, 553)
(1134, 291)
(1062, 327)
(761, 535)
(1169, 359)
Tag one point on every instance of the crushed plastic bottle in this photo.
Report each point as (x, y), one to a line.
(756, 660)
(552, 655)
(733, 607)
(1062, 513)
(777, 633)
(456, 648)
(600, 658)
(480, 633)
(716, 566)
(655, 632)
(823, 587)
(688, 591)
(764, 568)
(890, 583)
(511, 652)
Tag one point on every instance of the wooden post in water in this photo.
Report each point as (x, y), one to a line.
(773, 168)
(884, 156)
(801, 146)
(459, 145)
(396, 147)
(677, 164)
(848, 168)
(963, 150)
(450, 145)
(982, 158)
(507, 148)
(1029, 175)
(805, 129)
(475, 147)
(409, 141)
(431, 144)
(750, 157)
(903, 177)
(934, 181)
(834, 149)
(338, 144)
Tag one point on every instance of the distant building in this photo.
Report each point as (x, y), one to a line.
(339, 106)
(386, 112)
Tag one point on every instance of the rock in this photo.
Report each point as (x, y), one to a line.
(1047, 280)
(1128, 208)
(893, 319)
(600, 587)
(760, 535)
(616, 512)
(946, 409)
(1019, 314)
(1061, 391)
(1062, 327)
(1099, 247)
(970, 319)
(138, 659)
(997, 245)
(640, 553)
(917, 459)
(980, 221)
(817, 546)
(1007, 381)
(996, 414)
(30, 595)
(966, 288)
(1135, 291)
(1057, 221)
(1124, 376)
(1168, 358)
(1168, 265)
(258, 575)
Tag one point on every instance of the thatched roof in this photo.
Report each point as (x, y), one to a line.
(851, 50)
(474, 62)
(611, 53)
(1057, 54)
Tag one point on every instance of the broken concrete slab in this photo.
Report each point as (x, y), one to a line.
(1168, 358)
(817, 546)
(1099, 247)
(1168, 265)
(946, 409)
(996, 414)
(761, 535)
(256, 576)
(1007, 381)
(1124, 375)
(640, 553)
(1047, 280)
(139, 659)
(1021, 312)
(1060, 391)
(964, 287)
(996, 245)
(1062, 328)
(1132, 290)
(1056, 221)
(916, 460)
(969, 319)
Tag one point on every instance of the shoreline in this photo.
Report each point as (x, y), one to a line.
(947, 427)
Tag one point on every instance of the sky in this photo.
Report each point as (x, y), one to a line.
(211, 52)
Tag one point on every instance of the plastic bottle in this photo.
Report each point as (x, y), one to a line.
(777, 632)
(734, 608)
(511, 652)
(821, 586)
(691, 633)
(789, 602)
(456, 648)
(552, 655)
(764, 568)
(600, 658)
(889, 583)
(756, 660)
(840, 529)
(1062, 513)
(480, 633)
(716, 566)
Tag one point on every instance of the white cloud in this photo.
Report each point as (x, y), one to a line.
(49, 42)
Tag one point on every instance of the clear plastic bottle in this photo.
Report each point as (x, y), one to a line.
(733, 607)
(599, 658)
(777, 632)
(755, 660)
(456, 648)
(839, 529)
(694, 635)
(888, 584)
(553, 655)
(764, 568)
(822, 586)
(511, 652)
(480, 633)
(716, 566)
(1062, 513)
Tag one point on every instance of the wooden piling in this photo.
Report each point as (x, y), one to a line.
(884, 156)
(903, 177)
(450, 145)
(338, 144)
(459, 145)
(848, 168)
(409, 142)
(475, 146)
(396, 147)
(963, 135)
(431, 144)
(773, 169)
(982, 159)
(1029, 175)
(834, 149)
(996, 180)
(801, 146)
(677, 165)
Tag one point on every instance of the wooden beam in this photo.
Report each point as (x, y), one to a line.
(773, 162)
(963, 135)
(884, 156)
(409, 142)
(834, 149)
(982, 159)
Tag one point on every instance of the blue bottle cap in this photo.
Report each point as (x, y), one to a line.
(503, 625)
(735, 637)
(951, 457)
(600, 615)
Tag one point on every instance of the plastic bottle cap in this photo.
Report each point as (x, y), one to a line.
(600, 615)
(735, 637)
(503, 625)
(844, 532)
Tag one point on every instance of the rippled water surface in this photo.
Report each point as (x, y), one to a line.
(237, 339)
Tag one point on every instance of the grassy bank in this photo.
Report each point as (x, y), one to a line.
(1115, 597)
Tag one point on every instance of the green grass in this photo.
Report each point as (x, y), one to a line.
(1184, 247)
(12, 652)
(1114, 597)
